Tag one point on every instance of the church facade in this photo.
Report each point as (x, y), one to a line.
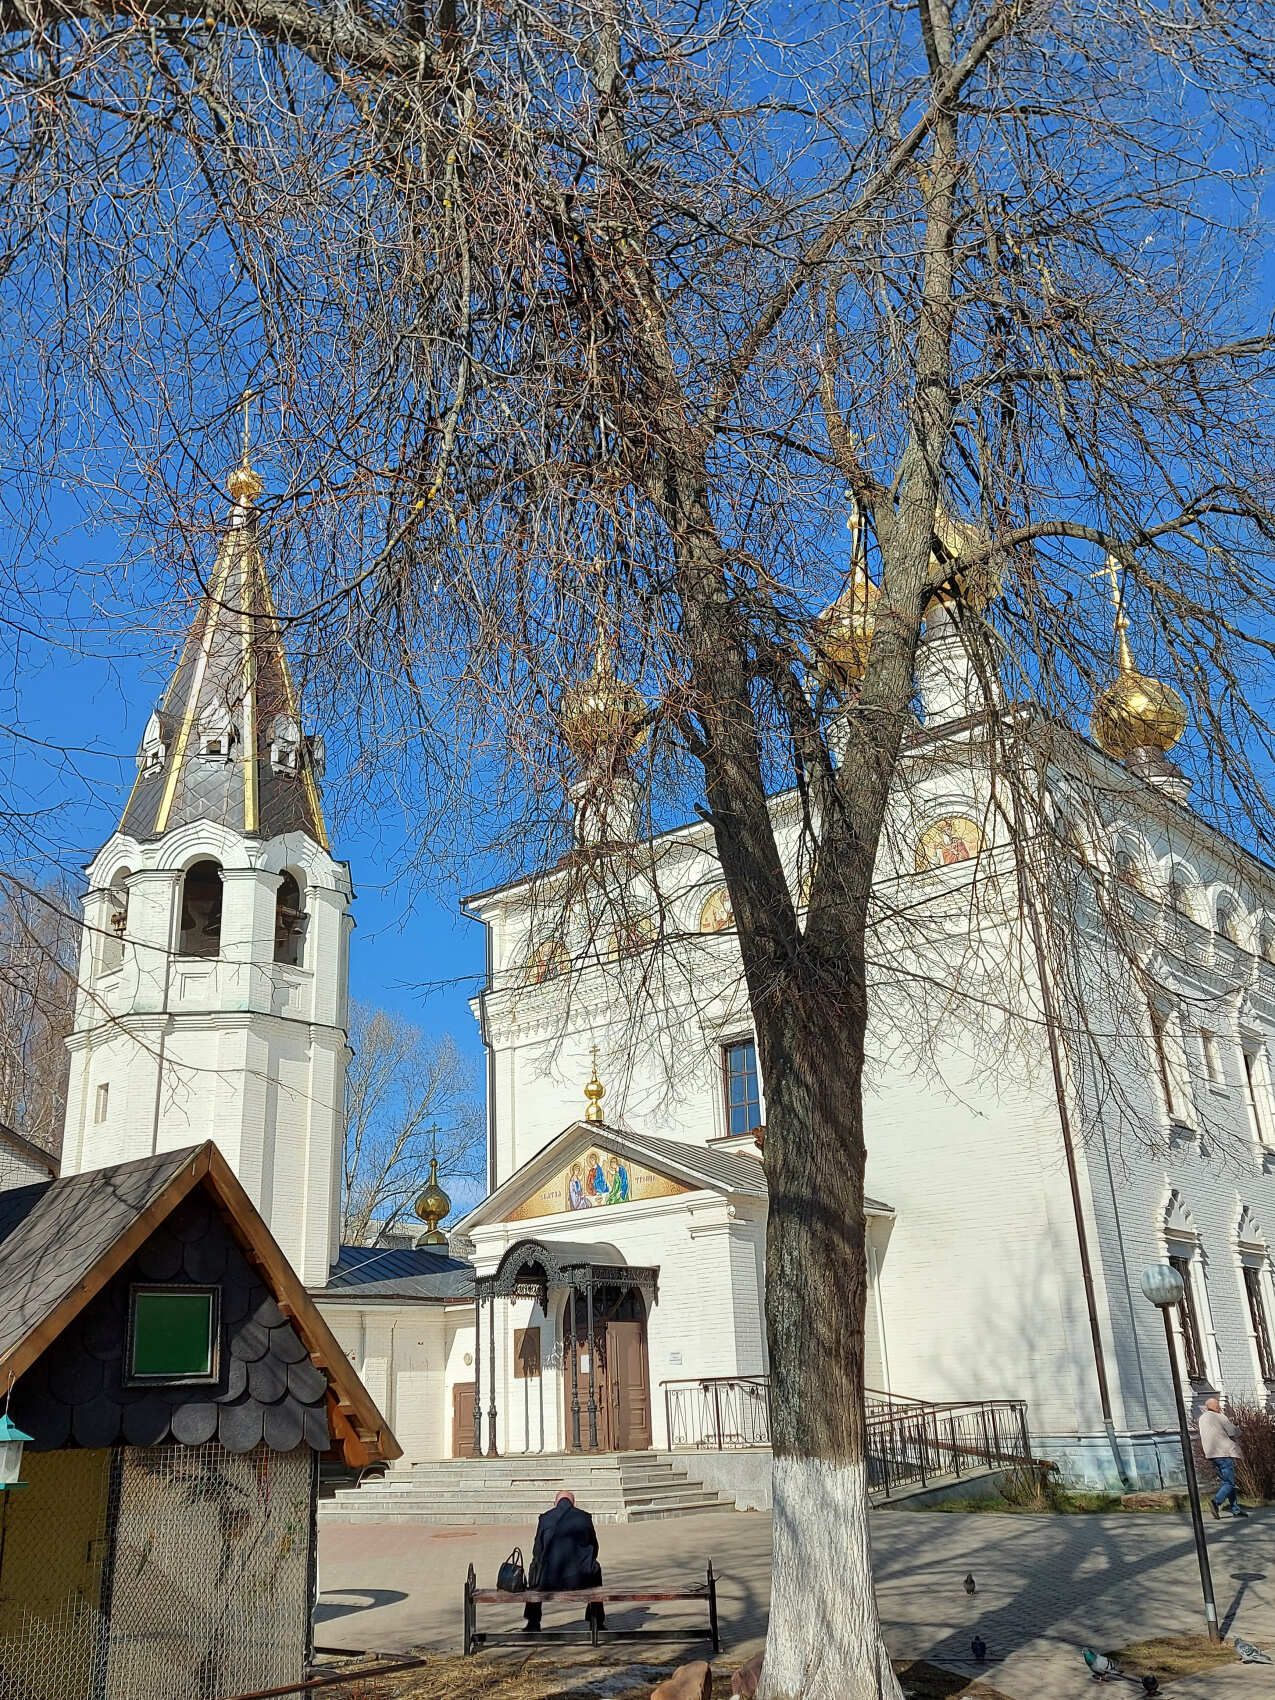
(1069, 1075)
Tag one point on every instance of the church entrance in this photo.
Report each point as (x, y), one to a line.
(606, 1380)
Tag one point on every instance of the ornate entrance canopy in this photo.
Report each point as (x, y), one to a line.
(532, 1269)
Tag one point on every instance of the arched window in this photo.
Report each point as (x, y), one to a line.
(289, 923)
(1128, 872)
(1266, 944)
(1230, 922)
(1180, 896)
(111, 946)
(201, 911)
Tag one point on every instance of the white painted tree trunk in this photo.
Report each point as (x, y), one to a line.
(824, 1641)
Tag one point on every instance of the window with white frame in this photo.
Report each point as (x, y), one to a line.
(1190, 1334)
(741, 1087)
(1171, 1064)
(1255, 1280)
(1254, 1274)
(1212, 1057)
(1257, 1089)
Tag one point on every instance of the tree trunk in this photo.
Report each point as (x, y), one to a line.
(824, 1640)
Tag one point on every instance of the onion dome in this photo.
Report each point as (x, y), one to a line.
(975, 587)
(244, 484)
(594, 1092)
(1137, 713)
(603, 718)
(432, 1206)
(843, 632)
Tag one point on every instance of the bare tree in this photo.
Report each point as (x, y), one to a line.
(39, 949)
(533, 289)
(408, 1098)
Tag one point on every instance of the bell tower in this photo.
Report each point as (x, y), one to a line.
(212, 998)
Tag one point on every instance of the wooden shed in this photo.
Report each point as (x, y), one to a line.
(181, 1391)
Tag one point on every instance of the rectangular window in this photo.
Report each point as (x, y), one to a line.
(743, 1095)
(1255, 1092)
(1212, 1060)
(1257, 1316)
(1189, 1321)
(1168, 1061)
(101, 1101)
(173, 1334)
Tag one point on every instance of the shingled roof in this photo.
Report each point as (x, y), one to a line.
(68, 1250)
(232, 682)
(397, 1272)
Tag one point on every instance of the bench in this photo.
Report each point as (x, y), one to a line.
(475, 1596)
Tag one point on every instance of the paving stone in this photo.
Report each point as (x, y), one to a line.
(1047, 1586)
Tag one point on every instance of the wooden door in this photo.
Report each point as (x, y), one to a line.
(628, 1387)
(591, 1376)
(463, 1420)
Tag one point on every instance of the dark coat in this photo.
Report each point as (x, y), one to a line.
(565, 1554)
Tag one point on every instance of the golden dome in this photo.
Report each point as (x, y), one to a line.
(843, 633)
(1136, 712)
(245, 484)
(432, 1205)
(602, 716)
(975, 587)
(594, 1092)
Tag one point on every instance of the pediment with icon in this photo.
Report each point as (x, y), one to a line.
(595, 1180)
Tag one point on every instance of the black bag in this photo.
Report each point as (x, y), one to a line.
(511, 1578)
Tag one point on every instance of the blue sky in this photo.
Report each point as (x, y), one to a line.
(83, 674)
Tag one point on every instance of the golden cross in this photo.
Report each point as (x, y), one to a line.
(1112, 570)
(247, 422)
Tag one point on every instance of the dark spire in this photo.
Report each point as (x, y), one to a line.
(226, 742)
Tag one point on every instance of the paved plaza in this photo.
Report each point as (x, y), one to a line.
(1046, 1586)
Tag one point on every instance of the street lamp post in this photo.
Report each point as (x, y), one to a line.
(1162, 1284)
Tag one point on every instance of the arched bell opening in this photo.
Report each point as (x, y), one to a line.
(289, 922)
(200, 933)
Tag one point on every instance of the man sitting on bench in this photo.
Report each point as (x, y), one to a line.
(565, 1556)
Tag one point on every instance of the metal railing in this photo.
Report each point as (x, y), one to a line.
(910, 1442)
(718, 1412)
(911, 1445)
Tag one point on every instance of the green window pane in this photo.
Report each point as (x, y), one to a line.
(172, 1334)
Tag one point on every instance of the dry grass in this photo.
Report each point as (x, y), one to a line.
(535, 1677)
(1173, 1655)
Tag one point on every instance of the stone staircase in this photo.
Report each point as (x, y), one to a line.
(616, 1487)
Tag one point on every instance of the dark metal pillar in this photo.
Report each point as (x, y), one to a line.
(575, 1376)
(593, 1373)
(491, 1374)
(478, 1369)
(1192, 1486)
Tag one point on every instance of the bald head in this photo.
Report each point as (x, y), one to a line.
(1214, 1404)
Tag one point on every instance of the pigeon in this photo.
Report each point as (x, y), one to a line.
(1101, 1666)
(979, 1648)
(970, 1585)
(1249, 1654)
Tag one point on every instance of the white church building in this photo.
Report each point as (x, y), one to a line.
(1064, 1087)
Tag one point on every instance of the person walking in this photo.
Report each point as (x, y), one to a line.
(1220, 1444)
(565, 1555)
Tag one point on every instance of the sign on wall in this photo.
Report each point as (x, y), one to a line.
(596, 1181)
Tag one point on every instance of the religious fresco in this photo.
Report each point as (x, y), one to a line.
(953, 839)
(595, 1181)
(717, 915)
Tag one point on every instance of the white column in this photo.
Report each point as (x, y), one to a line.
(247, 937)
(152, 896)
